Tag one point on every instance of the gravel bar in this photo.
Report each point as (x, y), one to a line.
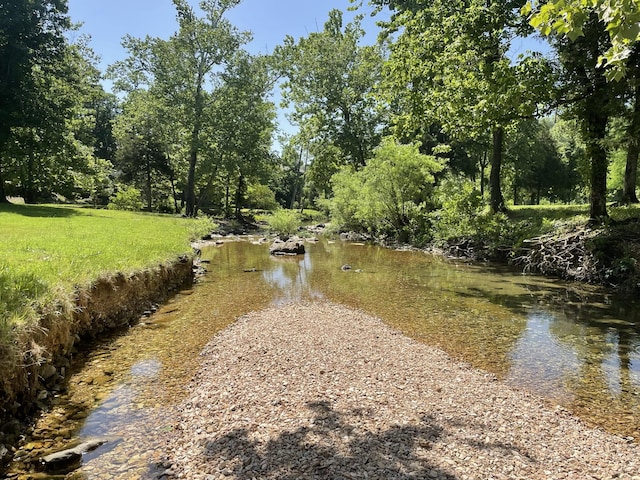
(321, 391)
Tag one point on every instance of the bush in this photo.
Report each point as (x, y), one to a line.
(284, 222)
(461, 209)
(261, 197)
(201, 226)
(388, 196)
(128, 198)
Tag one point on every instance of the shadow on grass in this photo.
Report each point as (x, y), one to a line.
(38, 211)
(311, 452)
(551, 212)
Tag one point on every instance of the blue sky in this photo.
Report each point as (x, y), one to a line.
(269, 20)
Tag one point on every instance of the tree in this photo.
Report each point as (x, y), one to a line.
(388, 194)
(592, 100)
(449, 65)
(182, 71)
(142, 143)
(619, 18)
(57, 122)
(538, 170)
(633, 130)
(330, 82)
(32, 43)
(239, 128)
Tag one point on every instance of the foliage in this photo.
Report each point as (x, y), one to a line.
(284, 222)
(449, 65)
(199, 227)
(237, 135)
(619, 18)
(128, 198)
(387, 195)
(592, 101)
(330, 82)
(32, 53)
(536, 170)
(143, 144)
(182, 72)
(261, 197)
(461, 209)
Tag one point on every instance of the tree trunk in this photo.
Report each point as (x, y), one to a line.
(192, 209)
(227, 210)
(483, 170)
(173, 190)
(29, 187)
(596, 129)
(3, 195)
(631, 169)
(496, 200)
(190, 194)
(148, 165)
(239, 194)
(296, 182)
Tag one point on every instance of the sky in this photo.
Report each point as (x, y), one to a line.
(270, 21)
(107, 22)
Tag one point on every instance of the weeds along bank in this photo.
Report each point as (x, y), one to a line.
(67, 274)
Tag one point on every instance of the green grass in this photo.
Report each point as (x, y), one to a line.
(568, 212)
(49, 250)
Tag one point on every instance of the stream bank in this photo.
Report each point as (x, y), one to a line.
(45, 352)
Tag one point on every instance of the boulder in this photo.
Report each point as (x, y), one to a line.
(292, 246)
(69, 460)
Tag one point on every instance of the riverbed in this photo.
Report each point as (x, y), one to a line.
(573, 345)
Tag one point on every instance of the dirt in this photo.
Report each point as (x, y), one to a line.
(320, 391)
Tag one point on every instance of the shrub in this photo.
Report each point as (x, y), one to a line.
(389, 195)
(261, 197)
(284, 222)
(461, 209)
(201, 226)
(128, 198)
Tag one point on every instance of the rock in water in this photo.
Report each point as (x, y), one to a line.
(293, 246)
(69, 460)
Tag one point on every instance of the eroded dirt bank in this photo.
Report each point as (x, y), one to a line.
(46, 352)
(320, 391)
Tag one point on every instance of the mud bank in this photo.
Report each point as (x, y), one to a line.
(45, 352)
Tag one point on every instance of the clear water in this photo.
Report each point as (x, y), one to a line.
(574, 345)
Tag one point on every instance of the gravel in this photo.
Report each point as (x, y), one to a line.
(320, 391)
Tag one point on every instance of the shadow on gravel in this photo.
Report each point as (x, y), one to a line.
(331, 448)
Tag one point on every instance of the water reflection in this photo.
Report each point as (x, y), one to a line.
(289, 275)
(529, 360)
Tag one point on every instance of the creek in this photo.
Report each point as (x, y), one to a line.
(575, 345)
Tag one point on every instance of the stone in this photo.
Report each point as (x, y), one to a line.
(293, 246)
(47, 371)
(68, 460)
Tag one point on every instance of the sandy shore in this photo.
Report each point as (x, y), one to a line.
(320, 391)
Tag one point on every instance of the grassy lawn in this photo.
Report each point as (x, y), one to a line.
(576, 213)
(52, 248)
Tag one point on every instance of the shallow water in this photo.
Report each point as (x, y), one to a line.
(575, 345)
